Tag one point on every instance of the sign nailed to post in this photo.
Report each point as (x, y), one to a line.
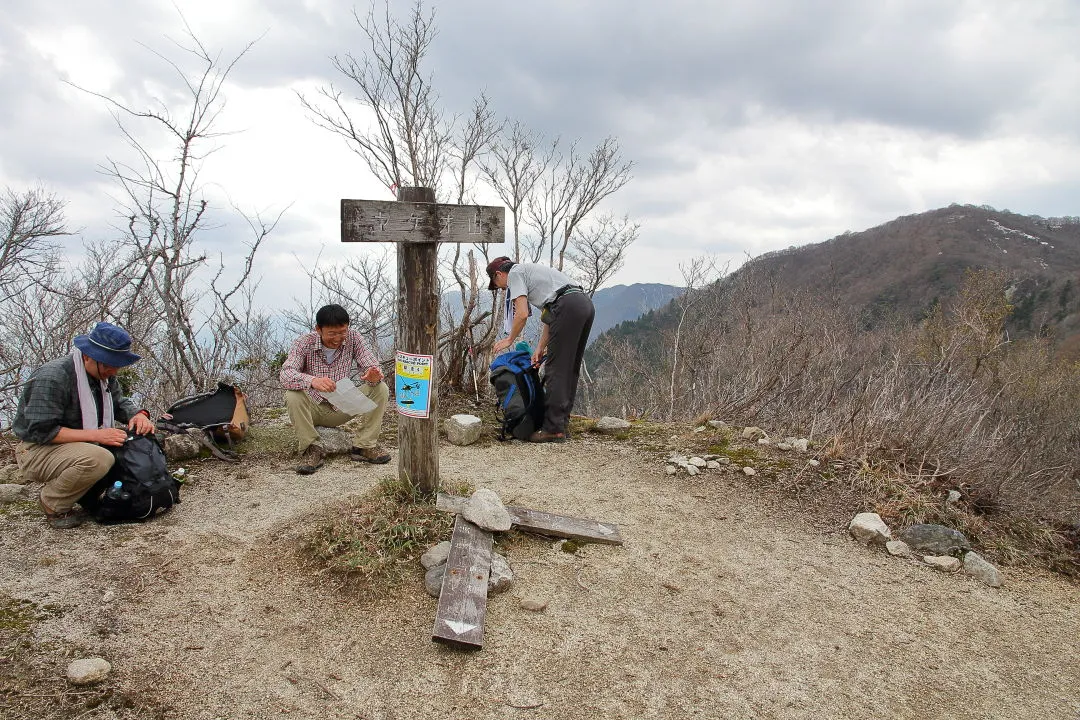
(412, 384)
(408, 222)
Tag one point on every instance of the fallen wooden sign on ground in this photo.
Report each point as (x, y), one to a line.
(459, 620)
(546, 523)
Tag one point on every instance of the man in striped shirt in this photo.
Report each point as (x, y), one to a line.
(316, 362)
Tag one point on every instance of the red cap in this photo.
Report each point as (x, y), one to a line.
(493, 267)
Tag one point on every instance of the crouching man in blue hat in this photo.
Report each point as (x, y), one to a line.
(68, 410)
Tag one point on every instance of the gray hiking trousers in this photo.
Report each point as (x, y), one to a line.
(569, 321)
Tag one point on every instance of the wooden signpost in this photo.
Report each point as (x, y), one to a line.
(417, 224)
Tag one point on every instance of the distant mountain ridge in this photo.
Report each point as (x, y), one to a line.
(901, 268)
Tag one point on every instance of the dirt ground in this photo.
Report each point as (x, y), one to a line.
(727, 601)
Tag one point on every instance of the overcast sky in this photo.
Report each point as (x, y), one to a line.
(754, 125)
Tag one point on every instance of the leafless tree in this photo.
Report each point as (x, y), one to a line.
(190, 318)
(513, 168)
(29, 221)
(598, 251)
(408, 145)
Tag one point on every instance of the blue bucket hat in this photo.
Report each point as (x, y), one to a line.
(107, 344)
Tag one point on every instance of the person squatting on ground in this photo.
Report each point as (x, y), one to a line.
(67, 411)
(316, 362)
(566, 318)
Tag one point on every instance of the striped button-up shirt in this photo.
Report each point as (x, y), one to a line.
(307, 360)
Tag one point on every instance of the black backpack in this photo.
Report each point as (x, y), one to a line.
(146, 487)
(519, 395)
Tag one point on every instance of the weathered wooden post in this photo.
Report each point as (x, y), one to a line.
(418, 224)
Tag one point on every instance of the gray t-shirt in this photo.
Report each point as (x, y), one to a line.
(538, 282)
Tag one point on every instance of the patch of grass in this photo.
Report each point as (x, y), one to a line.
(384, 534)
(742, 456)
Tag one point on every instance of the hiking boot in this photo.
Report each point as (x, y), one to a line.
(543, 436)
(375, 455)
(64, 520)
(310, 461)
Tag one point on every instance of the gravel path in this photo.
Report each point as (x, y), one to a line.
(718, 606)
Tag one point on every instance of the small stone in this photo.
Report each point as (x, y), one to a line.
(724, 460)
(501, 577)
(944, 563)
(749, 471)
(436, 555)
(462, 429)
(954, 497)
(712, 465)
(611, 425)
(699, 429)
(88, 671)
(753, 433)
(783, 446)
(976, 566)
(692, 469)
(535, 603)
(670, 470)
(813, 463)
(433, 580)
(763, 441)
(717, 424)
(485, 509)
(697, 462)
(801, 444)
(898, 548)
(12, 493)
(869, 528)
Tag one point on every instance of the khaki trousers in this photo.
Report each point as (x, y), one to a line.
(67, 469)
(306, 415)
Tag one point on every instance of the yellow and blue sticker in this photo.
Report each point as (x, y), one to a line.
(412, 384)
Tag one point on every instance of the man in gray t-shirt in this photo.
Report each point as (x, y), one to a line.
(566, 317)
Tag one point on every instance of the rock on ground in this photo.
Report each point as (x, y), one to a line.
(945, 563)
(934, 540)
(753, 433)
(869, 528)
(433, 580)
(436, 555)
(462, 429)
(501, 577)
(611, 425)
(535, 603)
(334, 441)
(11, 474)
(975, 565)
(12, 493)
(182, 446)
(88, 671)
(486, 510)
(898, 548)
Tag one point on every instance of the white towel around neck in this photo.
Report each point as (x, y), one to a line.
(86, 398)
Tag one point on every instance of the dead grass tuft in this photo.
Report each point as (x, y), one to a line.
(383, 534)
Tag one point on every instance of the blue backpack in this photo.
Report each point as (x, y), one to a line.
(519, 395)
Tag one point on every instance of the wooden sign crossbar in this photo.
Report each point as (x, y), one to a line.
(459, 620)
(420, 222)
(546, 523)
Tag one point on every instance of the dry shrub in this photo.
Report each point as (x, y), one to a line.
(947, 403)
